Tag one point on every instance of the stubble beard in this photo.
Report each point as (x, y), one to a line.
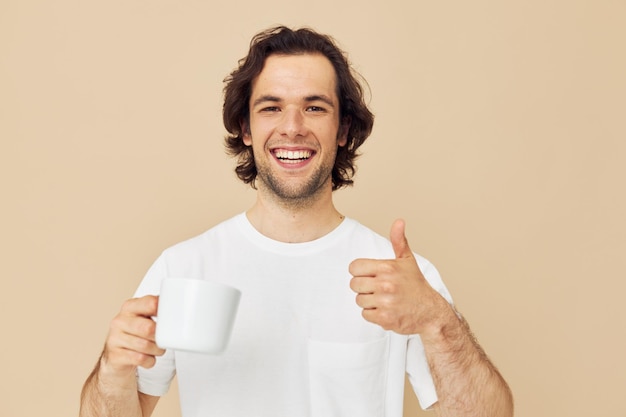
(295, 194)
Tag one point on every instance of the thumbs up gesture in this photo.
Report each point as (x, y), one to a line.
(393, 293)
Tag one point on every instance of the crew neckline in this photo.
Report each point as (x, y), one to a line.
(300, 248)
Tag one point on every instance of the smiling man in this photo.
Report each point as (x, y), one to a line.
(333, 316)
(294, 118)
(294, 131)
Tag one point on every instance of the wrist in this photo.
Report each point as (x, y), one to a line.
(111, 377)
(445, 333)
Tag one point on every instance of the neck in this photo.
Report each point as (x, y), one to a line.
(294, 222)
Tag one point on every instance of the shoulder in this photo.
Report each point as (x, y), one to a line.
(217, 234)
(189, 258)
(367, 240)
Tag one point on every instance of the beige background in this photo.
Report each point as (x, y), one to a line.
(500, 138)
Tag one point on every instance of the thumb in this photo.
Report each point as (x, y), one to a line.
(398, 240)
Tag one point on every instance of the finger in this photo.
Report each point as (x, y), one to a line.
(133, 333)
(127, 357)
(370, 314)
(145, 306)
(139, 326)
(141, 345)
(363, 267)
(398, 240)
(362, 285)
(123, 350)
(366, 301)
(133, 342)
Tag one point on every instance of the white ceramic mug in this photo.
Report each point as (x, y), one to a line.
(195, 315)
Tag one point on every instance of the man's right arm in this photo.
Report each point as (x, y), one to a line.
(111, 389)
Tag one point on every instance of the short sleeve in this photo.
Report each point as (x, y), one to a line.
(156, 381)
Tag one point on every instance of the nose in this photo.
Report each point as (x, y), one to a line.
(292, 124)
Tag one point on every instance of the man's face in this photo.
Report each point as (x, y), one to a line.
(294, 126)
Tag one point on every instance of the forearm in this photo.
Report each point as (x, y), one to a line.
(107, 394)
(467, 383)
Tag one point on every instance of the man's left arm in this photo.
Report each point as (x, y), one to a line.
(395, 295)
(467, 383)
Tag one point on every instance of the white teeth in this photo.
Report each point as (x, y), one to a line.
(293, 155)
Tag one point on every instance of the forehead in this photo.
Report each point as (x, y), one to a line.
(290, 75)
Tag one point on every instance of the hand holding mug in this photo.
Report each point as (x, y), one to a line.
(131, 339)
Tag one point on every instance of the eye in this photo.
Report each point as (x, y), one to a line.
(270, 109)
(316, 109)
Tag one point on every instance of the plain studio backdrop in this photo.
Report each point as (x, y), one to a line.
(500, 137)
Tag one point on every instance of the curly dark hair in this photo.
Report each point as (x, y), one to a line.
(238, 89)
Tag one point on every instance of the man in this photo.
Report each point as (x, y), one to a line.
(302, 344)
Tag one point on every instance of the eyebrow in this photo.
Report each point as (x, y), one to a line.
(308, 99)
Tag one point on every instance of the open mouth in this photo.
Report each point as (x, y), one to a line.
(292, 157)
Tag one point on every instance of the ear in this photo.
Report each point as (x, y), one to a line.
(344, 128)
(245, 133)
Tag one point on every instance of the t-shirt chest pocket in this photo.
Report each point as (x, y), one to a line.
(348, 379)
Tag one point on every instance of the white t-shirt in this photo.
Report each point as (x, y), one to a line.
(299, 346)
